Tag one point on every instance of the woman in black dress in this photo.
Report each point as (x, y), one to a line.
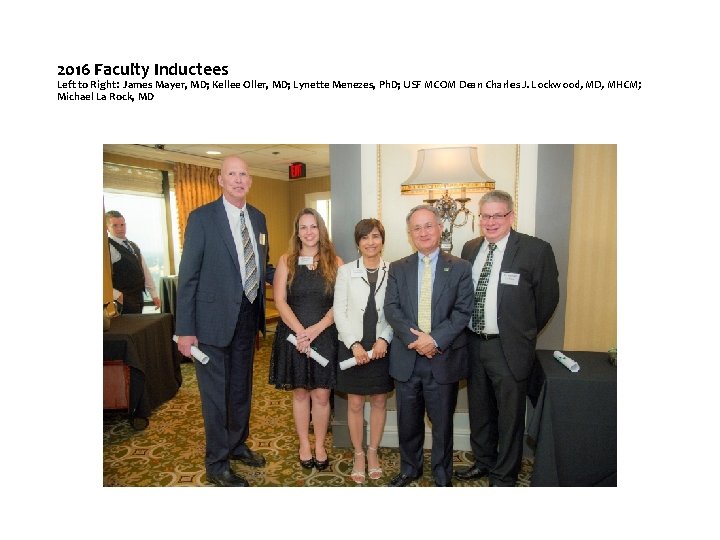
(303, 289)
(362, 329)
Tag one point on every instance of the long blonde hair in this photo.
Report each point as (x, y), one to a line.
(327, 260)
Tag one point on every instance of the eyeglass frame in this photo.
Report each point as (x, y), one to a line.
(427, 227)
(494, 217)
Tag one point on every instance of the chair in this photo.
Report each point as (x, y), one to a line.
(272, 315)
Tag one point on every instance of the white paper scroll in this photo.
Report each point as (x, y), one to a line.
(569, 363)
(196, 353)
(320, 359)
(350, 362)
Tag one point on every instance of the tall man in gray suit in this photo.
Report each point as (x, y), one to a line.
(428, 303)
(220, 307)
(516, 292)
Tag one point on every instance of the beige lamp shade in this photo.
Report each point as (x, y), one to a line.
(438, 168)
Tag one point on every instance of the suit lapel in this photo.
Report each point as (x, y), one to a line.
(255, 220)
(442, 278)
(475, 250)
(223, 225)
(411, 275)
(258, 230)
(511, 249)
(382, 276)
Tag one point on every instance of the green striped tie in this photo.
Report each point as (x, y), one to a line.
(480, 290)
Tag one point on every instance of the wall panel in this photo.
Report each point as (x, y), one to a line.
(272, 197)
(591, 311)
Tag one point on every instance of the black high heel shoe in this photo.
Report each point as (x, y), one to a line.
(322, 465)
(307, 463)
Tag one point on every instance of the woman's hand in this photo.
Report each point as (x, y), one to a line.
(379, 348)
(303, 342)
(312, 332)
(360, 354)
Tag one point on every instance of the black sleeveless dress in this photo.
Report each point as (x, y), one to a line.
(310, 302)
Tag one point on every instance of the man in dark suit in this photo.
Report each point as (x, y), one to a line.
(516, 292)
(220, 307)
(428, 303)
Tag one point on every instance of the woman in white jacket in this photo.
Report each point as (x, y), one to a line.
(364, 335)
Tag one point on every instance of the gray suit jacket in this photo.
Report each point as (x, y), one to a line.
(452, 303)
(524, 309)
(210, 288)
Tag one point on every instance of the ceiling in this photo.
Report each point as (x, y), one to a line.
(266, 160)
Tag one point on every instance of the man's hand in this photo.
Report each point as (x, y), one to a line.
(424, 344)
(184, 344)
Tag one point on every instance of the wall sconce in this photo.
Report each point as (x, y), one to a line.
(437, 171)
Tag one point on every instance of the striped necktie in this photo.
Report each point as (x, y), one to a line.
(126, 243)
(480, 290)
(251, 275)
(424, 306)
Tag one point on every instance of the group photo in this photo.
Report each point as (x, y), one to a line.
(359, 315)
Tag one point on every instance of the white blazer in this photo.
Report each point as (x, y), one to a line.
(351, 296)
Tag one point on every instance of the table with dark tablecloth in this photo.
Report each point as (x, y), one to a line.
(144, 343)
(573, 427)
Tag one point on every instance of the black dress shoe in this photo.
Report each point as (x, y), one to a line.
(307, 463)
(402, 480)
(471, 473)
(247, 457)
(227, 479)
(322, 465)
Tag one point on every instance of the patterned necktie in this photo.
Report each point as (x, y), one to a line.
(251, 275)
(480, 290)
(424, 311)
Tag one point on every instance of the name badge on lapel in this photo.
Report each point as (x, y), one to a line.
(509, 278)
(262, 239)
(357, 272)
(305, 260)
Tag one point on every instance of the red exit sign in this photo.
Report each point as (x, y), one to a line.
(296, 170)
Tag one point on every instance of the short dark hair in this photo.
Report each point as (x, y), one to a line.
(365, 227)
(112, 214)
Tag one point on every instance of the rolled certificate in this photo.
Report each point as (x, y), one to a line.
(350, 362)
(196, 353)
(320, 359)
(569, 363)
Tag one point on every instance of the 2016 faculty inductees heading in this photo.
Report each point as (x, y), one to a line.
(87, 87)
(134, 69)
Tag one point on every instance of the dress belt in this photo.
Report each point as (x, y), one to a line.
(487, 337)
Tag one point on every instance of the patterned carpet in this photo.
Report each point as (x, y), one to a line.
(170, 451)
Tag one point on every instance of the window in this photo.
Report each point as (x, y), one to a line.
(321, 202)
(145, 219)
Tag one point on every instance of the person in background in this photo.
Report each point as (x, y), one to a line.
(360, 320)
(516, 292)
(220, 307)
(130, 274)
(303, 294)
(428, 304)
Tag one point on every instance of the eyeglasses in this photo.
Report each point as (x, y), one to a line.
(427, 227)
(494, 217)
